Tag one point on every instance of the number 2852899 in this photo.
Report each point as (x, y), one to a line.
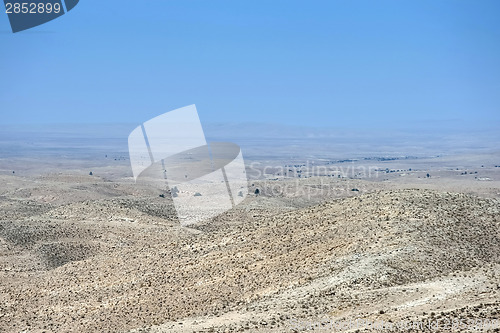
(32, 8)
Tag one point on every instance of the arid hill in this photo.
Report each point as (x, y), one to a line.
(116, 263)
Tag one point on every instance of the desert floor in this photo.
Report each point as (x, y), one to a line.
(413, 241)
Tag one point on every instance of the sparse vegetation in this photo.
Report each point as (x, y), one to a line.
(375, 243)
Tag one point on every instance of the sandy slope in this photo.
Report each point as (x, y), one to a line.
(90, 255)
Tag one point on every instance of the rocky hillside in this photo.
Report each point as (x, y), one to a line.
(121, 264)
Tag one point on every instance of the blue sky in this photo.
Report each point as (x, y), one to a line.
(368, 64)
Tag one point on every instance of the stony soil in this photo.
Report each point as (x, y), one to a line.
(82, 254)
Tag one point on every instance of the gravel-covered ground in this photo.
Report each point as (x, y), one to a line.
(83, 253)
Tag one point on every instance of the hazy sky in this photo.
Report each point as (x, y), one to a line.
(315, 63)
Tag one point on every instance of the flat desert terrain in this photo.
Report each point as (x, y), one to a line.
(318, 243)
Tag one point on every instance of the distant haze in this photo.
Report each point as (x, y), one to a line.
(256, 140)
